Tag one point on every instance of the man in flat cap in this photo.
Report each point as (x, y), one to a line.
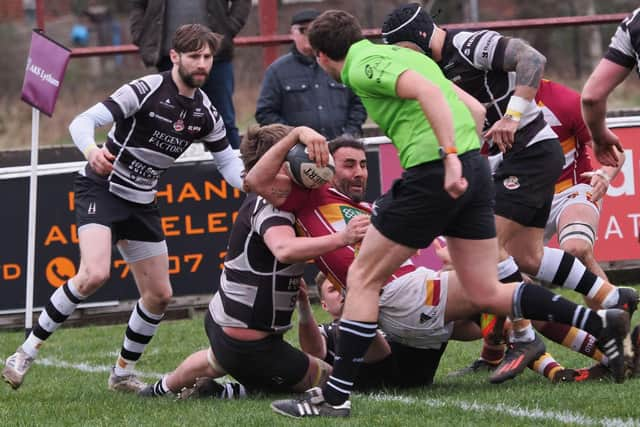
(296, 91)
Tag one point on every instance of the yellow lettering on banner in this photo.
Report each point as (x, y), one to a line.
(214, 221)
(55, 235)
(197, 259)
(174, 265)
(72, 201)
(74, 233)
(168, 225)
(188, 192)
(234, 216)
(11, 271)
(189, 228)
(221, 191)
(120, 263)
(167, 193)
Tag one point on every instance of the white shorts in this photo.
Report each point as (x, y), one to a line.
(578, 194)
(412, 309)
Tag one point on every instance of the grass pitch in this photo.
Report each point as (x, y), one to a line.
(67, 387)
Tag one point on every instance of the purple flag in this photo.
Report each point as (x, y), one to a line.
(43, 76)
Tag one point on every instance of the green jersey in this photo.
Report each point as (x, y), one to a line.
(372, 72)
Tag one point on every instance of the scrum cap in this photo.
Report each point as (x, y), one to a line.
(411, 23)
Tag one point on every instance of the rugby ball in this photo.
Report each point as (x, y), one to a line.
(305, 172)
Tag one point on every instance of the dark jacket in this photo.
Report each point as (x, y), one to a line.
(226, 17)
(296, 91)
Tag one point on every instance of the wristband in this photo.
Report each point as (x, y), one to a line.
(517, 107)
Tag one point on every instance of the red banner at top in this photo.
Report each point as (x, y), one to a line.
(43, 75)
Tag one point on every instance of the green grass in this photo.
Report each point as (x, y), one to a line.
(63, 396)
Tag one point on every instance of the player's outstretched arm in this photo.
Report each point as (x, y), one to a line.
(604, 79)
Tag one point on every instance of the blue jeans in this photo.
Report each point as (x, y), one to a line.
(219, 89)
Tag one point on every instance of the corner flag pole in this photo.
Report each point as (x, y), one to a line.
(33, 197)
(46, 65)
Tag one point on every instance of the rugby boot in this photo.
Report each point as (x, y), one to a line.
(518, 356)
(209, 388)
(128, 383)
(615, 326)
(312, 404)
(595, 372)
(16, 367)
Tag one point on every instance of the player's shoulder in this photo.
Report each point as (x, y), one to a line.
(466, 40)
(146, 84)
(632, 21)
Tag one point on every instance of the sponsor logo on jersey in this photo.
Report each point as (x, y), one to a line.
(511, 183)
(424, 317)
(198, 112)
(160, 117)
(194, 128)
(167, 103)
(178, 125)
(368, 71)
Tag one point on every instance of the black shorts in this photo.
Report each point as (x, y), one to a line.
(525, 183)
(414, 367)
(94, 204)
(267, 365)
(417, 209)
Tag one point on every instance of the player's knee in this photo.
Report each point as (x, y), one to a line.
(529, 262)
(577, 238)
(578, 248)
(91, 278)
(158, 299)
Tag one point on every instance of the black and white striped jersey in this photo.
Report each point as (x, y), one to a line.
(474, 60)
(624, 48)
(330, 333)
(256, 290)
(153, 125)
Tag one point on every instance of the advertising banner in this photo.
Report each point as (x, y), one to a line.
(619, 228)
(43, 75)
(198, 208)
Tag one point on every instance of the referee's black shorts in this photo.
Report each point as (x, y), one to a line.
(416, 209)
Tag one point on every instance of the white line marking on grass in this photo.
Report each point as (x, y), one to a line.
(86, 367)
(512, 410)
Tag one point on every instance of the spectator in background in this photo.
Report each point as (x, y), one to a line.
(153, 23)
(296, 91)
(29, 8)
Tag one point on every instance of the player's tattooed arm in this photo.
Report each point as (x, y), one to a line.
(527, 62)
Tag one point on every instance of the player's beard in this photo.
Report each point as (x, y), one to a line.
(189, 78)
(344, 186)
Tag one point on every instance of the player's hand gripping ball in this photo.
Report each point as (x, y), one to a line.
(305, 172)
